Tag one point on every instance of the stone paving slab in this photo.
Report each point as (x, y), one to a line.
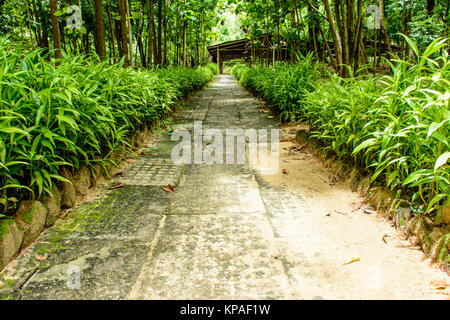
(129, 213)
(106, 269)
(213, 257)
(153, 172)
(285, 210)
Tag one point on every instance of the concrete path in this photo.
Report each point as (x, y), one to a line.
(225, 233)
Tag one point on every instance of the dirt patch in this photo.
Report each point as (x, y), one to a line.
(340, 215)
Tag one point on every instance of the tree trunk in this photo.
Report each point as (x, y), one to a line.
(294, 42)
(111, 31)
(130, 36)
(344, 32)
(387, 40)
(152, 32)
(100, 30)
(123, 32)
(351, 30)
(336, 38)
(55, 29)
(140, 43)
(326, 45)
(159, 58)
(38, 22)
(165, 34)
(184, 43)
(277, 11)
(358, 34)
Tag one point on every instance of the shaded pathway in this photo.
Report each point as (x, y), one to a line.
(225, 233)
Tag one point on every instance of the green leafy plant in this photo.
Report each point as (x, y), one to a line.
(396, 126)
(80, 111)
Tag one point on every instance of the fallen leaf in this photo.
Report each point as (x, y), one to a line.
(440, 284)
(285, 140)
(65, 213)
(155, 154)
(369, 210)
(383, 238)
(340, 212)
(169, 188)
(356, 205)
(158, 167)
(41, 258)
(352, 259)
(117, 186)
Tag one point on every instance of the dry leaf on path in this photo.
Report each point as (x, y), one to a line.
(370, 210)
(440, 284)
(383, 238)
(286, 140)
(118, 186)
(356, 205)
(41, 258)
(169, 188)
(353, 259)
(65, 213)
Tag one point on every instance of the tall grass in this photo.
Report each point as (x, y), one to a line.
(397, 125)
(80, 111)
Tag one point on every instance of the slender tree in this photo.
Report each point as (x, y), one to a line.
(112, 34)
(123, 30)
(55, 29)
(160, 23)
(100, 30)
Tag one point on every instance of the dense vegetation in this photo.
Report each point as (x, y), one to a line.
(145, 33)
(77, 77)
(395, 125)
(79, 111)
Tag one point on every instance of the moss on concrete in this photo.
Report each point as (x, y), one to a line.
(443, 255)
(4, 228)
(28, 216)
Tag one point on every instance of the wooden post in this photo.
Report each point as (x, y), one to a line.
(219, 63)
(273, 58)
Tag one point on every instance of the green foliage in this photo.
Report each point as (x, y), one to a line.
(81, 111)
(396, 125)
(213, 67)
(285, 84)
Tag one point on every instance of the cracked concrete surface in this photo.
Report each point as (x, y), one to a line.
(225, 233)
